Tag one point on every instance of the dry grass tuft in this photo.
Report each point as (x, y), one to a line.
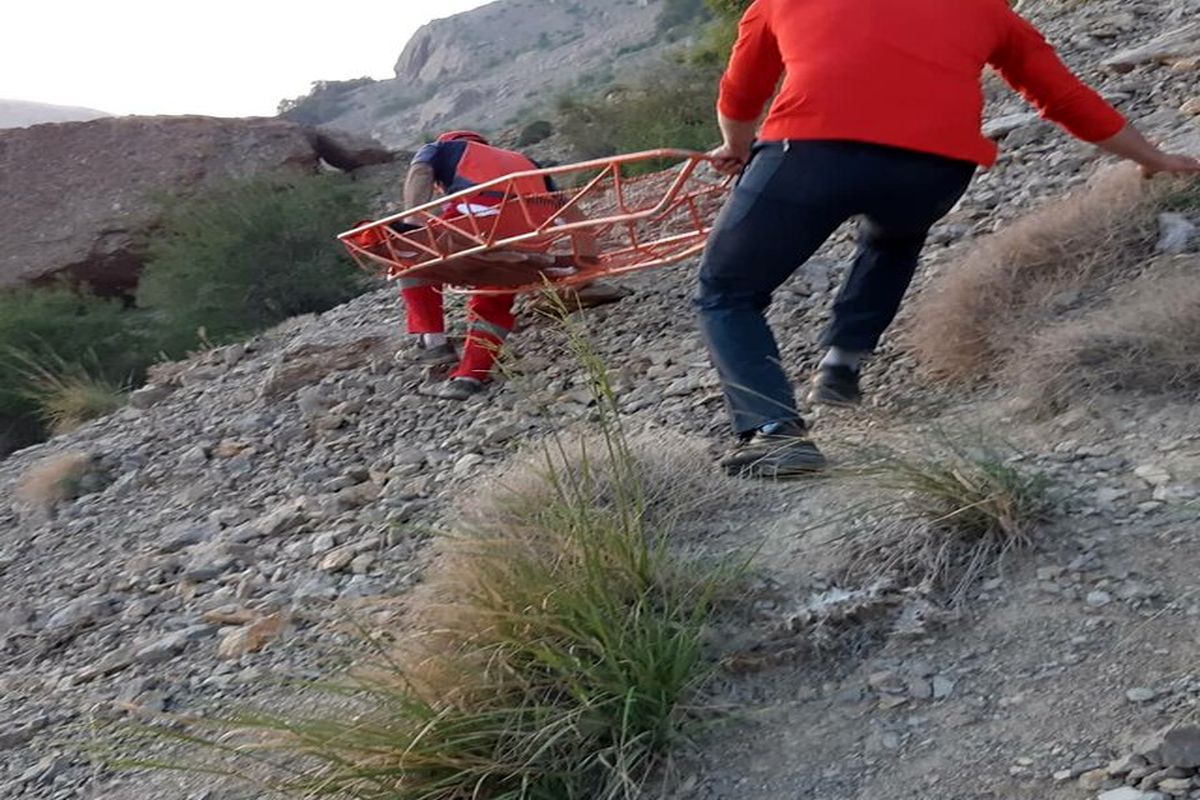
(1012, 282)
(954, 513)
(660, 469)
(55, 480)
(1146, 340)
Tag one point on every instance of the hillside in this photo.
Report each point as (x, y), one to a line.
(487, 66)
(216, 542)
(22, 113)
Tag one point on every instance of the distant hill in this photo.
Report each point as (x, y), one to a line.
(21, 113)
(497, 65)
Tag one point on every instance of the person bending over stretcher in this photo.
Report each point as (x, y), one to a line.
(457, 161)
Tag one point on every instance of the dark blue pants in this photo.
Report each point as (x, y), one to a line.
(790, 200)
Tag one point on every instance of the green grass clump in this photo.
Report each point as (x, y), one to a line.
(67, 393)
(54, 325)
(953, 512)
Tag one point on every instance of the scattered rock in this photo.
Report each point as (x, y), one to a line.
(1001, 127)
(1140, 694)
(337, 560)
(1093, 779)
(1176, 45)
(1124, 793)
(1126, 764)
(1153, 474)
(161, 649)
(252, 637)
(149, 396)
(1176, 231)
(1181, 747)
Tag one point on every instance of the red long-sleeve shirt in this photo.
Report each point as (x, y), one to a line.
(904, 73)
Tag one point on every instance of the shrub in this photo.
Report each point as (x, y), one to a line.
(679, 14)
(671, 108)
(241, 257)
(536, 131)
(1011, 283)
(730, 9)
(60, 325)
(325, 101)
(1146, 339)
(68, 393)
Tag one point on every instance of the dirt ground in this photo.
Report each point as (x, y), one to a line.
(1023, 689)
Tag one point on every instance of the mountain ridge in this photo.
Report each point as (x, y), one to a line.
(492, 67)
(23, 113)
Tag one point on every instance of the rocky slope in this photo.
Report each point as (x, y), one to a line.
(22, 113)
(227, 521)
(483, 67)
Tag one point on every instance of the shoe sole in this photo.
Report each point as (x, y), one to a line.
(774, 473)
(819, 397)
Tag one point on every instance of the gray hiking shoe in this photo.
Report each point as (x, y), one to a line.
(776, 451)
(835, 385)
(461, 389)
(419, 353)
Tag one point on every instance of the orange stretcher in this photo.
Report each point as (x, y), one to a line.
(492, 239)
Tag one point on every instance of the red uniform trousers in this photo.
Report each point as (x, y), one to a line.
(490, 318)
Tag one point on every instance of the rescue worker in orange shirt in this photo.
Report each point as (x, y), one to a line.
(457, 161)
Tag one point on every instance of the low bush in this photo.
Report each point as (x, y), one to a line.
(241, 257)
(68, 394)
(536, 131)
(1145, 340)
(680, 15)
(325, 101)
(673, 107)
(1012, 283)
(59, 326)
(56, 479)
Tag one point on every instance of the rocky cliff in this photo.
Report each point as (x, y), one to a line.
(484, 67)
(77, 198)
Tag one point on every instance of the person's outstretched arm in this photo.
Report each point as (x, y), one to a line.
(1131, 144)
(1032, 67)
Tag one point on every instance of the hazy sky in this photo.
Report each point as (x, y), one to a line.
(220, 57)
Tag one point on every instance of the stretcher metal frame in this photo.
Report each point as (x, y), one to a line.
(622, 239)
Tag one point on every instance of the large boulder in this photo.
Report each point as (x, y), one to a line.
(76, 199)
